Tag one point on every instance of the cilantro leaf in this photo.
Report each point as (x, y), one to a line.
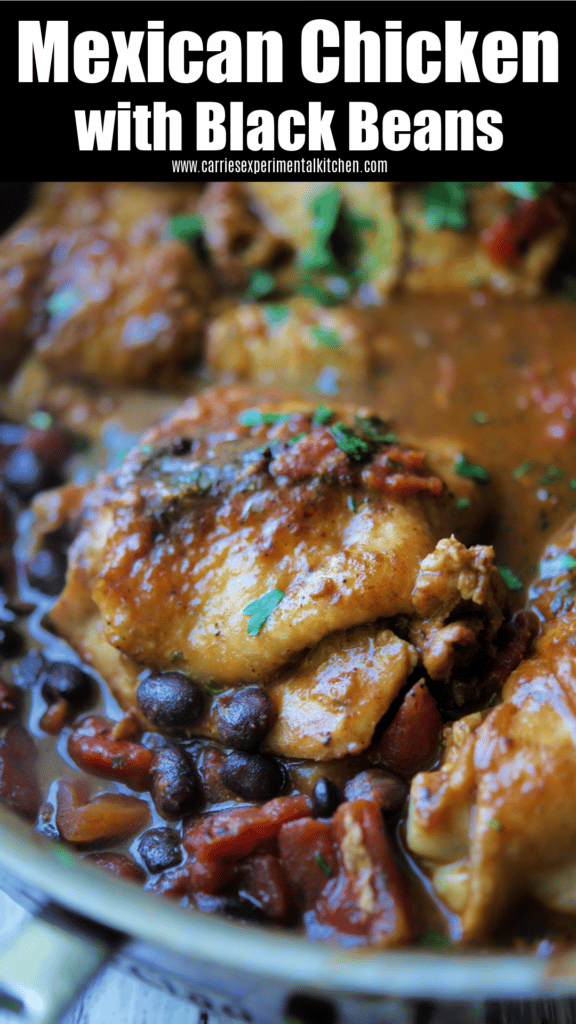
(322, 415)
(556, 565)
(63, 302)
(373, 428)
(470, 470)
(256, 418)
(323, 865)
(275, 313)
(445, 205)
(261, 283)
(326, 338)
(185, 227)
(527, 189)
(349, 442)
(522, 469)
(510, 578)
(260, 609)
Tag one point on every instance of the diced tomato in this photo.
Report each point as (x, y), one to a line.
(218, 841)
(93, 749)
(260, 878)
(413, 737)
(308, 856)
(367, 900)
(107, 816)
(506, 239)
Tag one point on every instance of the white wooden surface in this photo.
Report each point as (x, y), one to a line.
(113, 996)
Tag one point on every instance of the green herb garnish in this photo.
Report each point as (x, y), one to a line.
(495, 824)
(349, 442)
(260, 609)
(261, 283)
(522, 469)
(323, 865)
(185, 227)
(63, 302)
(462, 503)
(373, 429)
(297, 437)
(480, 417)
(329, 339)
(256, 418)
(552, 473)
(316, 293)
(470, 470)
(147, 449)
(510, 578)
(445, 205)
(351, 503)
(435, 940)
(40, 420)
(322, 415)
(275, 313)
(556, 565)
(527, 189)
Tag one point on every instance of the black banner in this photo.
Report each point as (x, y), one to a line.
(286, 91)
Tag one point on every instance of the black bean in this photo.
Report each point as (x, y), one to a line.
(382, 788)
(231, 906)
(253, 776)
(47, 571)
(180, 446)
(26, 474)
(62, 680)
(160, 849)
(170, 700)
(11, 643)
(175, 787)
(244, 718)
(326, 797)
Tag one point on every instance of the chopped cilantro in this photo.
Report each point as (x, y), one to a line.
(322, 415)
(297, 437)
(275, 313)
(40, 420)
(556, 565)
(147, 449)
(435, 940)
(324, 867)
(510, 578)
(462, 503)
(522, 469)
(260, 609)
(255, 417)
(527, 189)
(351, 503)
(495, 824)
(261, 283)
(573, 484)
(552, 473)
(316, 293)
(480, 417)
(185, 227)
(63, 302)
(329, 339)
(349, 442)
(445, 205)
(373, 429)
(470, 470)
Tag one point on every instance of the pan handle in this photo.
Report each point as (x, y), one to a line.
(44, 967)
